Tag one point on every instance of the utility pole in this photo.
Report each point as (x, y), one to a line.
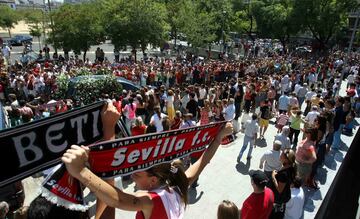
(223, 32)
(52, 25)
(44, 21)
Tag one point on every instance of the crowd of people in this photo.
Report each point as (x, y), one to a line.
(299, 96)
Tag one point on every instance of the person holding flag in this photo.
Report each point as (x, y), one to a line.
(164, 186)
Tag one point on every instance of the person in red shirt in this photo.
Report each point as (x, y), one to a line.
(163, 188)
(260, 203)
(139, 128)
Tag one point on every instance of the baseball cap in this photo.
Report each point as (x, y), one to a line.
(259, 177)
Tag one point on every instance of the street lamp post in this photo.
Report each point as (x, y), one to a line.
(223, 32)
(52, 25)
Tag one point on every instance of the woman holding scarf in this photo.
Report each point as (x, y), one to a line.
(168, 181)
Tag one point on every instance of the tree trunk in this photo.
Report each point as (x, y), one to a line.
(84, 56)
(283, 43)
(134, 52)
(9, 32)
(66, 55)
(175, 38)
(39, 43)
(209, 53)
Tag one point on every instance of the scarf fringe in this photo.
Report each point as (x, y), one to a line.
(62, 202)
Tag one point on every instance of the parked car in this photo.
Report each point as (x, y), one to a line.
(304, 49)
(20, 40)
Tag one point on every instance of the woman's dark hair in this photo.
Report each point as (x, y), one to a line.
(157, 111)
(172, 174)
(40, 208)
(313, 132)
(22, 103)
(131, 100)
(140, 99)
(151, 128)
(227, 210)
(322, 123)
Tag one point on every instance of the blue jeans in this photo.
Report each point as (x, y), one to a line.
(247, 140)
(337, 139)
(301, 101)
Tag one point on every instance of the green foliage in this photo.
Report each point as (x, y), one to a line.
(275, 20)
(32, 16)
(77, 27)
(35, 31)
(135, 22)
(201, 30)
(243, 20)
(205, 21)
(8, 18)
(324, 18)
(176, 15)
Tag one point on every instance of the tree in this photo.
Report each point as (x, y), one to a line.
(244, 19)
(8, 18)
(221, 12)
(201, 29)
(207, 21)
(323, 18)
(35, 31)
(276, 20)
(136, 23)
(36, 20)
(176, 16)
(77, 27)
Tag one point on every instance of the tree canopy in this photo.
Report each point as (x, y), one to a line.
(136, 23)
(323, 18)
(139, 23)
(77, 27)
(8, 18)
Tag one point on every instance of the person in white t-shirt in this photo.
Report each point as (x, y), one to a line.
(156, 119)
(6, 51)
(271, 158)
(295, 206)
(311, 116)
(251, 130)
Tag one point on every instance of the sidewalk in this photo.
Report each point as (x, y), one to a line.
(20, 28)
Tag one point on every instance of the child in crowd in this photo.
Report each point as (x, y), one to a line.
(227, 210)
(281, 120)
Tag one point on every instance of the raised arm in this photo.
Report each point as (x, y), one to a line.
(75, 159)
(194, 170)
(109, 118)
